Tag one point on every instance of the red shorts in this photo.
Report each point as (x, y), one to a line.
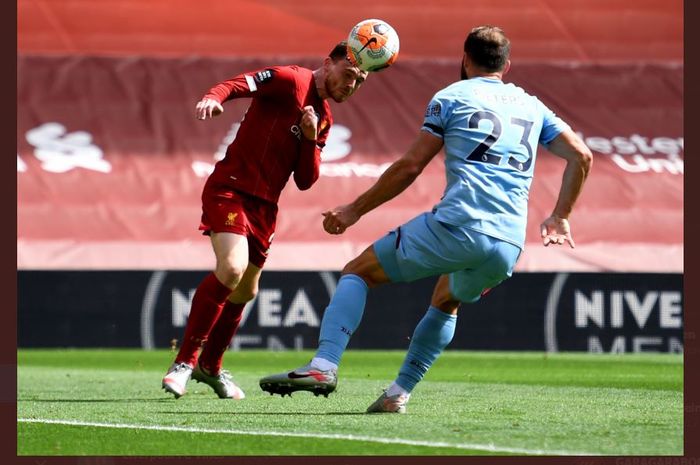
(227, 210)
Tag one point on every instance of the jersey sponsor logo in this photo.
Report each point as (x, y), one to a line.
(296, 130)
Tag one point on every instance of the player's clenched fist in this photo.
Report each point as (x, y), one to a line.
(208, 108)
(309, 122)
(337, 220)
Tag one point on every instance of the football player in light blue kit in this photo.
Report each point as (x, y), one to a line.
(472, 238)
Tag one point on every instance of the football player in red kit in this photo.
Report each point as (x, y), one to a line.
(283, 132)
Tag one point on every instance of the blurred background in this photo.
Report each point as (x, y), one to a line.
(111, 163)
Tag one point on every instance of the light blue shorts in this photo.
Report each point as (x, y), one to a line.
(425, 247)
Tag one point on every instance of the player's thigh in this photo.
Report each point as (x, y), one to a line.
(367, 266)
(420, 248)
(468, 285)
(231, 252)
(262, 220)
(247, 288)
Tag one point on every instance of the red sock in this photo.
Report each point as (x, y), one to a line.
(220, 337)
(207, 303)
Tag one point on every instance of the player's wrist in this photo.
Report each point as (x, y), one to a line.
(211, 97)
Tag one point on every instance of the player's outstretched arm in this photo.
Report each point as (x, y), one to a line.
(391, 183)
(567, 145)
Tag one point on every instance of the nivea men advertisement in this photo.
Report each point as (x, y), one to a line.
(555, 312)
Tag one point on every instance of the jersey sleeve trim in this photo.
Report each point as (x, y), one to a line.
(435, 129)
(251, 83)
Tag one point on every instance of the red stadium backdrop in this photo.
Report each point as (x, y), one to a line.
(111, 160)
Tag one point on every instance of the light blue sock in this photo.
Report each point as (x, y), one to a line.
(431, 336)
(342, 317)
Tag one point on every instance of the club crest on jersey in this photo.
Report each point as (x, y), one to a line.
(230, 219)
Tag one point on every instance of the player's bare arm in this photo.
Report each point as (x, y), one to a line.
(567, 145)
(208, 108)
(391, 183)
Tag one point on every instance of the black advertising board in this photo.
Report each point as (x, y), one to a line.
(593, 312)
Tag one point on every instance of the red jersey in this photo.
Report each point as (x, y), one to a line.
(269, 145)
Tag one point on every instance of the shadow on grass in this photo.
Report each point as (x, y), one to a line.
(160, 399)
(304, 413)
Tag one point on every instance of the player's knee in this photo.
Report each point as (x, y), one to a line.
(357, 272)
(363, 273)
(446, 304)
(352, 267)
(229, 273)
(244, 294)
(367, 267)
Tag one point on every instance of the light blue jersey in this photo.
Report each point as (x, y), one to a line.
(490, 132)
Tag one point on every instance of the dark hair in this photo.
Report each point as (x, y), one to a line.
(339, 52)
(488, 47)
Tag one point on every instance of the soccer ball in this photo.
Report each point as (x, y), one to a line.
(373, 45)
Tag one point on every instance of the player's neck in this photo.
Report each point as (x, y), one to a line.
(474, 71)
(498, 76)
(320, 81)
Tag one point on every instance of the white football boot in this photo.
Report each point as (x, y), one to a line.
(175, 380)
(222, 383)
(389, 404)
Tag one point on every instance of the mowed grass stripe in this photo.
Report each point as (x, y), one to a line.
(560, 369)
(342, 437)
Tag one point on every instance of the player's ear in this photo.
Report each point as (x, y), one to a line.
(506, 68)
(463, 67)
(327, 62)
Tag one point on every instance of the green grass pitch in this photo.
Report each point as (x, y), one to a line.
(110, 403)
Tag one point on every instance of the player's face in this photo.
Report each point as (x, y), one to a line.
(343, 79)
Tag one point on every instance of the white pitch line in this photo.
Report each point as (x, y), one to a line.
(348, 437)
